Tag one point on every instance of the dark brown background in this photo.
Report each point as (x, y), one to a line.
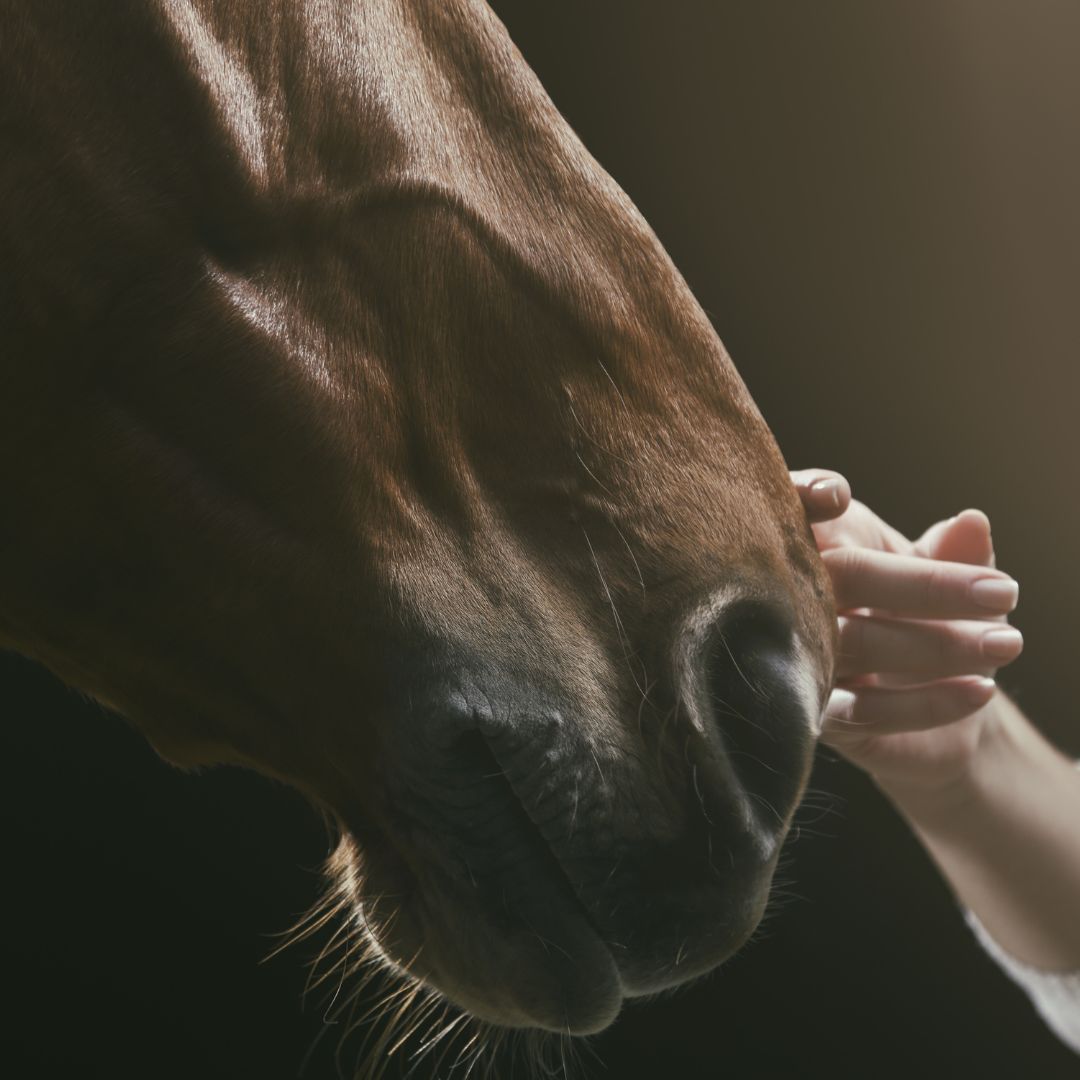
(876, 202)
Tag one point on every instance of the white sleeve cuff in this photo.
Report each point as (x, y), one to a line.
(1055, 995)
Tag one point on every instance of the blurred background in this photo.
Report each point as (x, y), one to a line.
(877, 205)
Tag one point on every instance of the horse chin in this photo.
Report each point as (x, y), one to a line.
(536, 964)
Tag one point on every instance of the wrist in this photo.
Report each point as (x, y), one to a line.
(1003, 835)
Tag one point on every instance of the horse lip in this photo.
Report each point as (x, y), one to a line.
(574, 1007)
(542, 927)
(713, 945)
(556, 863)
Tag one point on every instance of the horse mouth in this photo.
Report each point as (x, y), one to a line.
(486, 911)
(483, 911)
(661, 907)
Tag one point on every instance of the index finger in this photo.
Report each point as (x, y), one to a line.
(922, 588)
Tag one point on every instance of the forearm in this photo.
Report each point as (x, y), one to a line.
(1008, 841)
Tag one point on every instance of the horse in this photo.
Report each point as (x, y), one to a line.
(357, 429)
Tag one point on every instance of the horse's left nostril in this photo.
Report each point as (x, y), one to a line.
(754, 691)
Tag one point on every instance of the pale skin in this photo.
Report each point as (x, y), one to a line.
(915, 706)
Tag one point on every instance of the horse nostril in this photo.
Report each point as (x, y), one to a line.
(753, 692)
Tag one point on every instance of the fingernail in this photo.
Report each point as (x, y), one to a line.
(1002, 643)
(840, 705)
(996, 594)
(829, 486)
(977, 688)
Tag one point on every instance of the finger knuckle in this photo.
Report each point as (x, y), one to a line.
(935, 588)
(846, 566)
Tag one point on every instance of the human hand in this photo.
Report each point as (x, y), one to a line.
(921, 634)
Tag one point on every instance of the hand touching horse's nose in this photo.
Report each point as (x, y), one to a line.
(922, 631)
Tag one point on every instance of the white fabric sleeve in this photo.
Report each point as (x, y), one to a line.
(1055, 995)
